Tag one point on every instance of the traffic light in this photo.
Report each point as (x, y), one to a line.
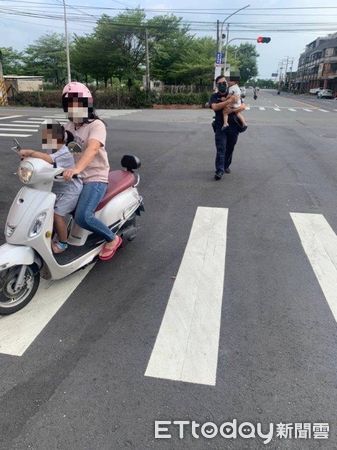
(263, 40)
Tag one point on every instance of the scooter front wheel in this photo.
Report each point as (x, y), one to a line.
(12, 299)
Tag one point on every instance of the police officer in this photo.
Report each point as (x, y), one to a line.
(225, 138)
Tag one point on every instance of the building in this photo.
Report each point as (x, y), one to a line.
(317, 65)
(22, 83)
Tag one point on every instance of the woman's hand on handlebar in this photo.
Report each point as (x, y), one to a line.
(69, 173)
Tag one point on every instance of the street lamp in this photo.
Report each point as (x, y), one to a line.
(227, 33)
(67, 41)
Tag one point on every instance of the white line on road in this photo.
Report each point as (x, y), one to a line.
(9, 117)
(42, 119)
(186, 348)
(27, 122)
(292, 109)
(262, 108)
(319, 242)
(15, 135)
(19, 330)
(276, 109)
(247, 108)
(18, 129)
(308, 110)
(323, 110)
(10, 124)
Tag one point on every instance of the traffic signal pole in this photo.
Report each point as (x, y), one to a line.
(220, 37)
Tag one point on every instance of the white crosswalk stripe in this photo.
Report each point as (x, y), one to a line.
(323, 110)
(14, 135)
(262, 108)
(292, 109)
(9, 117)
(19, 330)
(319, 242)
(31, 130)
(27, 122)
(187, 344)
(308, 110)
(276, 109)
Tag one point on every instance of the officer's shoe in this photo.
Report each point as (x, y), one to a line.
(218, 175)
(228, 170)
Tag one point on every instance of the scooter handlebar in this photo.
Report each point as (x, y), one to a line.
(60, 178)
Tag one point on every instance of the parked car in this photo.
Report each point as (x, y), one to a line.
(325, 93)
(315, 91)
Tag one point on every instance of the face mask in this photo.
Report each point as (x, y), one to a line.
(222, 88)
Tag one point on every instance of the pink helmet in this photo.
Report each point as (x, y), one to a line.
(75, 87)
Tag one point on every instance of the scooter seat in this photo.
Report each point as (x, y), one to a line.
(119, 180)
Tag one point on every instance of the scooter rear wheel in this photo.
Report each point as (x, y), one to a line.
(11, 300)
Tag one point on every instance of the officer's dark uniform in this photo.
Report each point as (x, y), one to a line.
(225, 140)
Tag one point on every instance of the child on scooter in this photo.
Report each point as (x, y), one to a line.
(54, 141)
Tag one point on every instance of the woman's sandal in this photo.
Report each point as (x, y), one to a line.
(107, 253)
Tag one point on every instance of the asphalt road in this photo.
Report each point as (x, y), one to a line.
(81, 383)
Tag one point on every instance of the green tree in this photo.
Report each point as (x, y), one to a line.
(47, 58)
(12, 63)
(198, 66)
(169, 46)
(244, 57)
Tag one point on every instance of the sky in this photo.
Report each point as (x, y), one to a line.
(18, 32)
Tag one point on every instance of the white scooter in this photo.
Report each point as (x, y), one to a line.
(27, 255)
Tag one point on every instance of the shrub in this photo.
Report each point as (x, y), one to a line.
(112, 99)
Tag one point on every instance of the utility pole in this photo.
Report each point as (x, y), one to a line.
(147, 60)
(218, 59)
(285, 75)
(291, 73)
(67, 41)
(3, 93)
(226, 48)
(227, 33)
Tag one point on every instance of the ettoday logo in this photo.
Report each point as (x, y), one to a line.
(209, 430)
(244, 430)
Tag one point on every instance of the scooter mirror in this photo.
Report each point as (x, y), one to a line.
(17, 147)
(74, 147)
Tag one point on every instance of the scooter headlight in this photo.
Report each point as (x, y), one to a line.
(36, 228)
(25, 172)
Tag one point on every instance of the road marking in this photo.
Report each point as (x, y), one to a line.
(27, 122)
(18, 129)
(262, 108)
(319, 242)
(292, 109)
(276, 109)
(15, 135)
(247, 108)
(9, 117)
(335, 109)
(42, 119)
(308, 110)
(323, 110)
(187, 344)
(10, 124)
(19, 330)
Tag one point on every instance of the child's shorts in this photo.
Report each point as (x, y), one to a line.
(66, 202)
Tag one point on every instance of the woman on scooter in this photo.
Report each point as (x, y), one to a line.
(92, 163)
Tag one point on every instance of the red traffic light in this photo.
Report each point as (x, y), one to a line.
(263, 40)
